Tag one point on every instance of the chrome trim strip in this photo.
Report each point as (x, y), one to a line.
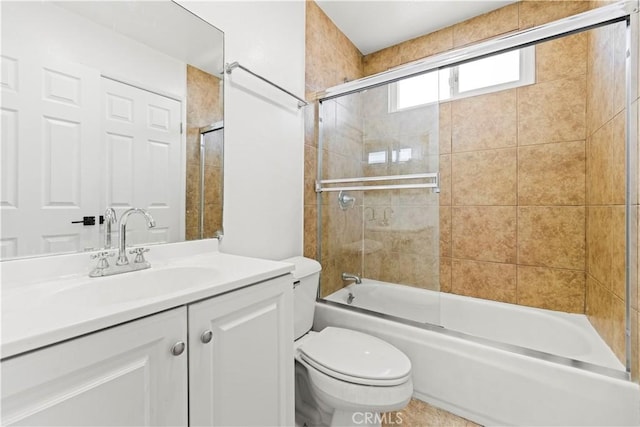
(580, 22)
(377, 187)
(214, 126)
(203, 152)
(378, 178)
(548, 357)
(319, 114)
(631, 195)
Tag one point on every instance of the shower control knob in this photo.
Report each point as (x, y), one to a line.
(206, 337)
(178, 348)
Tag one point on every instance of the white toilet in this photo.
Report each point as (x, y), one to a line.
(343, 377)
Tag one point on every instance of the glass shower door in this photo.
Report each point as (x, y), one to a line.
(379, 204)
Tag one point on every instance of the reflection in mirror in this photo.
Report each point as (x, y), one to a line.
(103, 106)
(204, 155)
(211, 139)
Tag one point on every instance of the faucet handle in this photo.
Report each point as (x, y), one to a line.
(102, 258)
(110, 216)
(139, 254)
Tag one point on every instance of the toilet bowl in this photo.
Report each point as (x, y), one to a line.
(343, 377)
(353, 376)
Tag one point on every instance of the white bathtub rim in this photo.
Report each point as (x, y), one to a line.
(582, 343)
(624, 400)
(522, 351)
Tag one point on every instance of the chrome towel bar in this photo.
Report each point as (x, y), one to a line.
(435, 184)
(230, 67)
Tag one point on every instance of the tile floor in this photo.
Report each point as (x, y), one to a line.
(421, 414)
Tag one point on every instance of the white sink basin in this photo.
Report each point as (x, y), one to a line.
(51, 299)
(131, 287)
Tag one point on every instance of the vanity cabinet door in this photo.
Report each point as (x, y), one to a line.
(125, 375)
(241, 357)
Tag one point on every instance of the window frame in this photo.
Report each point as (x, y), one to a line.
(527, 66)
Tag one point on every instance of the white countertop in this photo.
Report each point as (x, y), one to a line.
(38, 310)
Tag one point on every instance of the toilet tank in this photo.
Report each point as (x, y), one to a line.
(306, 278)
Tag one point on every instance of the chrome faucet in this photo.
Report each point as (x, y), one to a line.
(122, 247)
(347, 276)
(109, 218)
(122, 264)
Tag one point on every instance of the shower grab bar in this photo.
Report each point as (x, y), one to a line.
(435, 184)
(230, 67)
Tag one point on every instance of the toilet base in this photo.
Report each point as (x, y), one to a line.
(310, 411)
(351, 419)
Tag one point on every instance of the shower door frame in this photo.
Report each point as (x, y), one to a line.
(215, 127)
(623, 11)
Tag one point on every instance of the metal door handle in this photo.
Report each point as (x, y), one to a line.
(86, 220)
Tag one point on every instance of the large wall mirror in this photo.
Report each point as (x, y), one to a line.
(108, 104)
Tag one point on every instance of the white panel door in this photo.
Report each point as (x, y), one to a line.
(122, 376)
(244, 375)
(50, 146)
(141, 134)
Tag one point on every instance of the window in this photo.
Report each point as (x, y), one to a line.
(491, 74)
(396, 156)
(377, 157)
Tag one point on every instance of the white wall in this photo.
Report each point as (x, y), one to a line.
(264, 156)
(47, 30)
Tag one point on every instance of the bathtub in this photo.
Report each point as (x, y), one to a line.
(491, 362)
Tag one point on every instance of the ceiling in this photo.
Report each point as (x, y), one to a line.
(374, 25)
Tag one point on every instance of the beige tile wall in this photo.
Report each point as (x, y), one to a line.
(499, 218)
(331, 59)
(517, 177)
(204, 107)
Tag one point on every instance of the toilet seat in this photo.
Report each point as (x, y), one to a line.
(355, 357)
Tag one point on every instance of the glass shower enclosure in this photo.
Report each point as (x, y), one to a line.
(492, 172)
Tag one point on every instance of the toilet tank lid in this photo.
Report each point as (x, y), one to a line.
(303, 266)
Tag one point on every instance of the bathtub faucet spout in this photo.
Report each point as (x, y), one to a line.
(347, 276)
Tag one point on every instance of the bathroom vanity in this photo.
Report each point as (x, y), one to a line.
(195, 340)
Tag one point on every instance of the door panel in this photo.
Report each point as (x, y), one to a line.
(143, 159)
(49, 118)
(122, 376)
(249, 361)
